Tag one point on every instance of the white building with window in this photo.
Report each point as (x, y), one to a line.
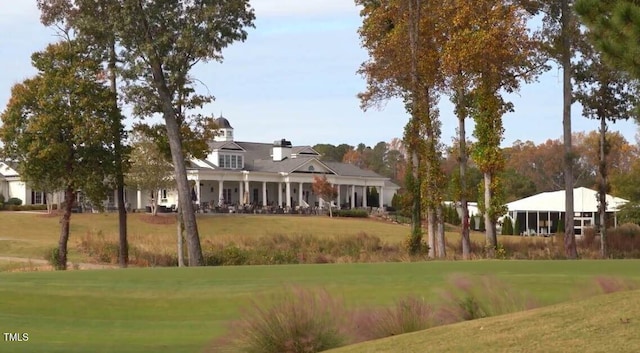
(541, 213)
(239, 173)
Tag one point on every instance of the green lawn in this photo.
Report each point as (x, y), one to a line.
(182, 310)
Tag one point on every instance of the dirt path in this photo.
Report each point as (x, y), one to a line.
(43, 263)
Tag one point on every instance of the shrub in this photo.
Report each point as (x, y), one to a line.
(351, 213)
(298, 321)
(469, 298)
(560, 226)
(517, 228)
(507, 226)
(407, 315)
(14, 201)
(51, 255)
(451, 214)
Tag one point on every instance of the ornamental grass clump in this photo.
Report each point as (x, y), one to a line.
(409, 314)
(476, 297)
(297, 321)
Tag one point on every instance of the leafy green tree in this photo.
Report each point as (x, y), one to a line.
(58, 127)
(614, 27)
(560, 39)
(162, 42)
(94, 27)
(150, 169)
(605, 94)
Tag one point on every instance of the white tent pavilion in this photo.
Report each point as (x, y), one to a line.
(541, 213)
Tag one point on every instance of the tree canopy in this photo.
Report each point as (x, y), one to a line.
(57, 127)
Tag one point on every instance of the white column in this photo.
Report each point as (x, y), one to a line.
(353, 196)
(288, 193)
(339, 202)
(247, 190)
(364, 196)
(240, 192)
(381, 196)
(300, 194)
(139, 199)
(220, 192)
(198, 194)
(264, 193)
(279, 194)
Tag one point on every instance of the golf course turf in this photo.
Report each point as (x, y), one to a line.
(184, 309)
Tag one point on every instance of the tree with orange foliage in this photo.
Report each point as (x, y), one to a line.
(323, 188)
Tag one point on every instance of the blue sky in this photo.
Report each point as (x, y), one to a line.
(295, 78)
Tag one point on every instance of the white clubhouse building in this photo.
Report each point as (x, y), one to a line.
(248, 173)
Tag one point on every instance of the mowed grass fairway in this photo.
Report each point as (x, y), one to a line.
(183, 309)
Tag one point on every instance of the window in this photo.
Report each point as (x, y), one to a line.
(230, 161)
(38, 198)
(230, 133)
(311, 168)
(163, 195)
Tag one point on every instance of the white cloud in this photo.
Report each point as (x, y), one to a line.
(283, 8)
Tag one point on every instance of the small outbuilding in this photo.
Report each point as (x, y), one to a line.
(541, 213)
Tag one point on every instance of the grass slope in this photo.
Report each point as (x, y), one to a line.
(182, 310)
(30, 234)
(606, 323)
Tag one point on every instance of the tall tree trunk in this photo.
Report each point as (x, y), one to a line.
(569, 233)
(431, 231)
(462, 141)
(489, 224)
(416, 214)
(602, 194)
(180, 238)
(441, 241)
(69, 201)
(177, 155)
(123, 258)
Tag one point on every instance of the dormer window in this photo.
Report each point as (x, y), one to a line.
(230, 161)
(221, 132)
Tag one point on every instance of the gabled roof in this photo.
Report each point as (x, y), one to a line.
(304, 150)
(258, 158)
(8, 169)
(584, 200)
(225, 145)
(288, 165)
